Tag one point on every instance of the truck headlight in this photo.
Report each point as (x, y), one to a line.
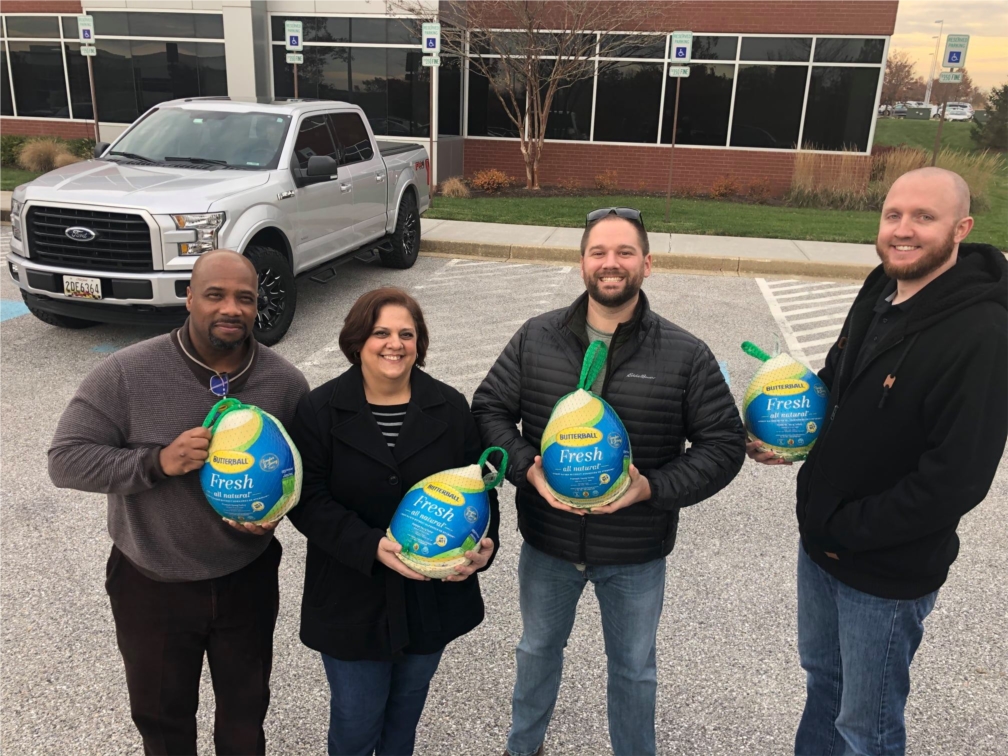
(15, 216)
(206, 226)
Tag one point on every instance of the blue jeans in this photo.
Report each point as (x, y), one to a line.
(630, 597)
(374, 706)
(856, 651)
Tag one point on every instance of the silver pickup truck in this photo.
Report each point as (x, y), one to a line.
(292, 185)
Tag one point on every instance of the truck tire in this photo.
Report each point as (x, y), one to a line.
(277, 294)
(406, 237)
(60, 321)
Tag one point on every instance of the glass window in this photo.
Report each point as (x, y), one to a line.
(408, 95)
(704, 105)
(37, 75)
(714, 48)
(212, 69)
(32, 26)
(113, 67)
(487, 116)
(390, 31)
(629, 95)
(841, 105)
(833, 50)
(633, 46)
(164, 71)
(352, 138)
(209, 26)
(69, 27)
(6, 104)
(513, 43)
(107, 24)
(313, 139)
(570, 111)
(450, 96)
(80, 84)
(314, 28)
(768, 105)
(781, 49)
(162, 25)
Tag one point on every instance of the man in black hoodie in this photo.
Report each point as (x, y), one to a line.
(916, 427)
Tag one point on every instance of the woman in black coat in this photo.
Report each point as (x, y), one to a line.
(366, 437)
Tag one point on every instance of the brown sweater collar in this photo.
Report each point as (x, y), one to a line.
(215, 382)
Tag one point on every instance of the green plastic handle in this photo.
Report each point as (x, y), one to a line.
(594, 362)
(754, 351)
(500, 471)
(218, 411)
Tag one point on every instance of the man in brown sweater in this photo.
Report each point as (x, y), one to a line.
(183, 582)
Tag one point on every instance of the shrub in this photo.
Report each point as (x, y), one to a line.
(606, 181)
(845, 171)
(759, 190)
(454, 187)
(726, 186)
(82, 148)
(569, 184)
(39, 155)
(993, 134)
(977, 169)
(490, 180)
(64, 159)
(10, 146)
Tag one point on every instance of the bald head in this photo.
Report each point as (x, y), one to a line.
(948, 188)
(226, 263)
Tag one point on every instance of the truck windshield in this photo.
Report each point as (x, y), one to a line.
(212, 138)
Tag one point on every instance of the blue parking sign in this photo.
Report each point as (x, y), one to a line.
(87, 34)
(680, 52)
(293, 41)
(954, 56)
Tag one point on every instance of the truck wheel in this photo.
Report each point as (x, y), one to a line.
(277, 294)
(60, 321)
(405, 238)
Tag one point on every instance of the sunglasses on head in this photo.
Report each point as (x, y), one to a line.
(627, 213)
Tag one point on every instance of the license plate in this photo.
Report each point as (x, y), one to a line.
(82, 288)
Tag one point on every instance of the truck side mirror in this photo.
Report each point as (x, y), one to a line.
(321, 165)
(100, 148)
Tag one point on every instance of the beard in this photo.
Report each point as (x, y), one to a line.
(928, 262)
(223, 344)
(631, 286)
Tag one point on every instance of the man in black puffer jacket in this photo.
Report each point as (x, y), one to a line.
(667, 388)
(916, 426)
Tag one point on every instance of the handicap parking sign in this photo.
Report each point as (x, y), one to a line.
(680, 52)
(293, 41)
(86, 33)
(954, 56)
(431, 43)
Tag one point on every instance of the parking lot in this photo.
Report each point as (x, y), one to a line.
(729, 679)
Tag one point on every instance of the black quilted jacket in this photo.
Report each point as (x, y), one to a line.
(666, 387)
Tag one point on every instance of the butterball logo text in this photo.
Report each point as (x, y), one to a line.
(444, 494)
(579, 437)
(231, 461)
(81, 234)
(786, 388)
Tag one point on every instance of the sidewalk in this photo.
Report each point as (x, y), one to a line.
(726, 255)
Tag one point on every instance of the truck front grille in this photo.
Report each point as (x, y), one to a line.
(121, 241)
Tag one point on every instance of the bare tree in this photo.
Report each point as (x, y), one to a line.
(899, 78)
(536, 49)
(961, 92)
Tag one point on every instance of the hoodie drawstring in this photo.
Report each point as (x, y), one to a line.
(891, 378)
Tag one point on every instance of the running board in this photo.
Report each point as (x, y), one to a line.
(366, 255)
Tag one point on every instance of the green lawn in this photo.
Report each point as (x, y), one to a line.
(11, 177)
(892, 131)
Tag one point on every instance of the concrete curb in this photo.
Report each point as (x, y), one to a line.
(727, 266)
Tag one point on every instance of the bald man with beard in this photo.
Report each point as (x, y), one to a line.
(916, 426)
(182, 582)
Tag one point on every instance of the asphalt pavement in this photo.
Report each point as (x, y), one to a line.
(729, 679)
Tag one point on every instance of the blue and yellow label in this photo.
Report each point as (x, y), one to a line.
(784, 407)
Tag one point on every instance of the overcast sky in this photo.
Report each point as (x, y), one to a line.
(986, 21)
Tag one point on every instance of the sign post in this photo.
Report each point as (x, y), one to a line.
(681, 53)
(295, 43)
(431, 33)
(955, 57)
(85, 34)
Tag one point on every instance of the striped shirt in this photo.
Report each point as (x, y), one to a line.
(390, 419)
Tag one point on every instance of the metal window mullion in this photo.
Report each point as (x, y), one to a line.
(10, 72)
(734, 89)
(878, 98)
(664, 81)
(591, 131)
(66, 73)
(465, 89)
(804, 109)
(157, 39)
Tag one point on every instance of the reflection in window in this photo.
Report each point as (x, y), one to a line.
(37, 75)
(570, 111)
(633, 46)
(390, 85)
(714, 48)
(704, 105)
(313, 140)
(782, 49)
(487, 116)
(80, 85)
(389, 31)
(840, 108)
(450, 96)
(6, 104)
(768, 105)
(32, 26)
(627, 103)
(352, 139)
(830, 50)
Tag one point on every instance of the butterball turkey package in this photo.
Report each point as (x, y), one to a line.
(253, 470)
(784, 406)
(585, 448)
(444, 516)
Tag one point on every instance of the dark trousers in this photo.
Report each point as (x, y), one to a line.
(163, 630)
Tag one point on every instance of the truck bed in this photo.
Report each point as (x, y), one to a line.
(387, 149)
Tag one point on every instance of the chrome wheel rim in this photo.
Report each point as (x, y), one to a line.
(272, 299)
(411, 235)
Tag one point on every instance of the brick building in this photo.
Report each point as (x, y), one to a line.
(767, 77)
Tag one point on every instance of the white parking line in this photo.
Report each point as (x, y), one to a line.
(826, 303)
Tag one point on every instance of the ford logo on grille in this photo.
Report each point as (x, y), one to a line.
(79, 233)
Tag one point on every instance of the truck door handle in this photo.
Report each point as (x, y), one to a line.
(344, 187)
(379, 177)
